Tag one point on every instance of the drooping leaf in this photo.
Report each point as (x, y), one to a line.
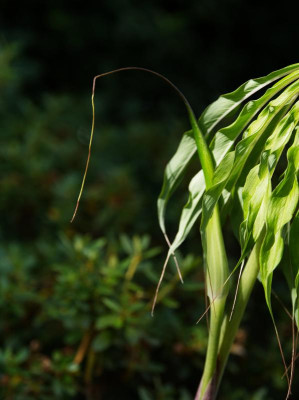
(291, 266)
(206, 161)
(244, 148)
(225, 137)
(282, 206)
(225, 104)
(174, 172)
(191, 210)
(251, 137)
(212, 195)
(257, 188)
(256, 195)
(284, 129)
(294, 255)
(210, 118)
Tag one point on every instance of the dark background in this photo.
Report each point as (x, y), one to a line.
(56, 288)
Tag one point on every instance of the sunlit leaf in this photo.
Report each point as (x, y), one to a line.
(227, 103)
(222, 142)
(174, 172)
(294, 256)
(282, 206)
(257, 188)
(291, 265)
(233, 164)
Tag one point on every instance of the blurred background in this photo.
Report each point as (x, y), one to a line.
(75, 298)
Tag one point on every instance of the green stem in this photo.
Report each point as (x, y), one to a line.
(207, 385)
(231, 327)
(224, 336)
(216, 276)
(215, 265)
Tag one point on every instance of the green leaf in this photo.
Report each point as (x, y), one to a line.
(102, 341)
(295, 298)
(225, 137)
(256, 195)
(233, 164)
(282, 206)
(174, 172)
(254, 133)
(294, 248)
(257, 188)
(109, 320)
(284, 129)
(291, 268)
(212, 195)
(112, 305)
(191, 210)
(227, 103)
(209, 119)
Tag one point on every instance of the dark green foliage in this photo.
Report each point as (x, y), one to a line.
(76, 320)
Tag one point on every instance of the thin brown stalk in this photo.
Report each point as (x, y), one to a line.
(84, 345)
(93, 114)
(237, 288)
(159, 284)
(175, 259)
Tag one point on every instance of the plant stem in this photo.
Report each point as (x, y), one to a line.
(216, 276)
(215, 265)
(230, 328)
(209, 378)
(224, 335)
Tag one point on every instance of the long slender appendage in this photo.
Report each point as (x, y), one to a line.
(187, 104)
(174, 258)
(193, 121)
(89, 153)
